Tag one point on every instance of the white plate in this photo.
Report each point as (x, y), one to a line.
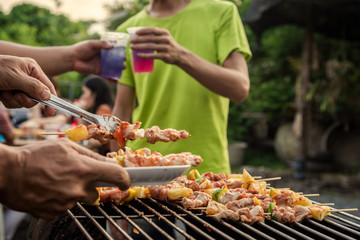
(142, 176)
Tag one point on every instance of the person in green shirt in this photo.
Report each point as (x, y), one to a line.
(200, 65)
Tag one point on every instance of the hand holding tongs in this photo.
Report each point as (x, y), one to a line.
(110, 122)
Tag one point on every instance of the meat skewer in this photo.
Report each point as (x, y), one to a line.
(125, 131)
(238, 204)
(145, 158)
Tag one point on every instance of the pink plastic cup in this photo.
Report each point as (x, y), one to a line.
(141, 65)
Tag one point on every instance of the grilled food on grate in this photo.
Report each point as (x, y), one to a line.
(236, 197)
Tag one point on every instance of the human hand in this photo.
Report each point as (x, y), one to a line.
(86, 56)
(49, 178)
(159, 40)
(23, 75)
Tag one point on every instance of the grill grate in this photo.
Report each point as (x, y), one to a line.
(154, 219)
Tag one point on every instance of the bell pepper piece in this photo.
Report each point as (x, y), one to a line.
(118, 135)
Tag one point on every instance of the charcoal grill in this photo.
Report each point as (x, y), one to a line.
(93, 222)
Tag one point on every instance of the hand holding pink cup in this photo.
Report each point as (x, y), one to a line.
(141, 65)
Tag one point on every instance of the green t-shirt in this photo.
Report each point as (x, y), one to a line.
(170, 98)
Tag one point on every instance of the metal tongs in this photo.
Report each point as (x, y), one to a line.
(110, 122)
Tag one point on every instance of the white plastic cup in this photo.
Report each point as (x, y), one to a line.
(112, 60)
(141, 65)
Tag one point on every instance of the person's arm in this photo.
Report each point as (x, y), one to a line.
(124, 102)
(230, 80)
(65, 174)
(83, 57)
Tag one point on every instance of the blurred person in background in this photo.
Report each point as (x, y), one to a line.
(96, 98)
(203, 51)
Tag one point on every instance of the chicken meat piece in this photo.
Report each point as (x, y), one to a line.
(187, 183)
(245, 215)
(232, 195)
(284, 214)
(241, 203)
(301, 213)
(198, 199)
(258, 213)
(155, 134)
(100, 133)
(214, 177)
(132, 131)
(214, 207)
(227, 214)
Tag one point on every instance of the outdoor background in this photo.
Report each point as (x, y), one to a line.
(264, 121)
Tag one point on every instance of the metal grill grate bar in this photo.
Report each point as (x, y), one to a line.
(349, 215)
(132, 223)
(204, 223)
(165, 219)
(263, 235)
(103, 231)
(112, 221)
(336, 233)
(275, 231)
(316, 233)
(203, 226)
(344, 228)
(291, 230)
(141, 214)
(238, 231)
(344, 220)
(80, 226)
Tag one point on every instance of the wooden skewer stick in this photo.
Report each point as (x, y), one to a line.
(300, 193)
(257, 177)
(311, 195)
(324, 204)
(198, 208)
(344, 210)
(53, 133)
(270, 179)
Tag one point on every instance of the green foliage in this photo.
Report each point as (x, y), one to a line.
(273, 71)
(121, 11)
(36, 26)
(45, 28)
(335, 89)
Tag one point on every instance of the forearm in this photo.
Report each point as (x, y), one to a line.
(124, 102)
(6, 154)
(53, 60)
(230, 80)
